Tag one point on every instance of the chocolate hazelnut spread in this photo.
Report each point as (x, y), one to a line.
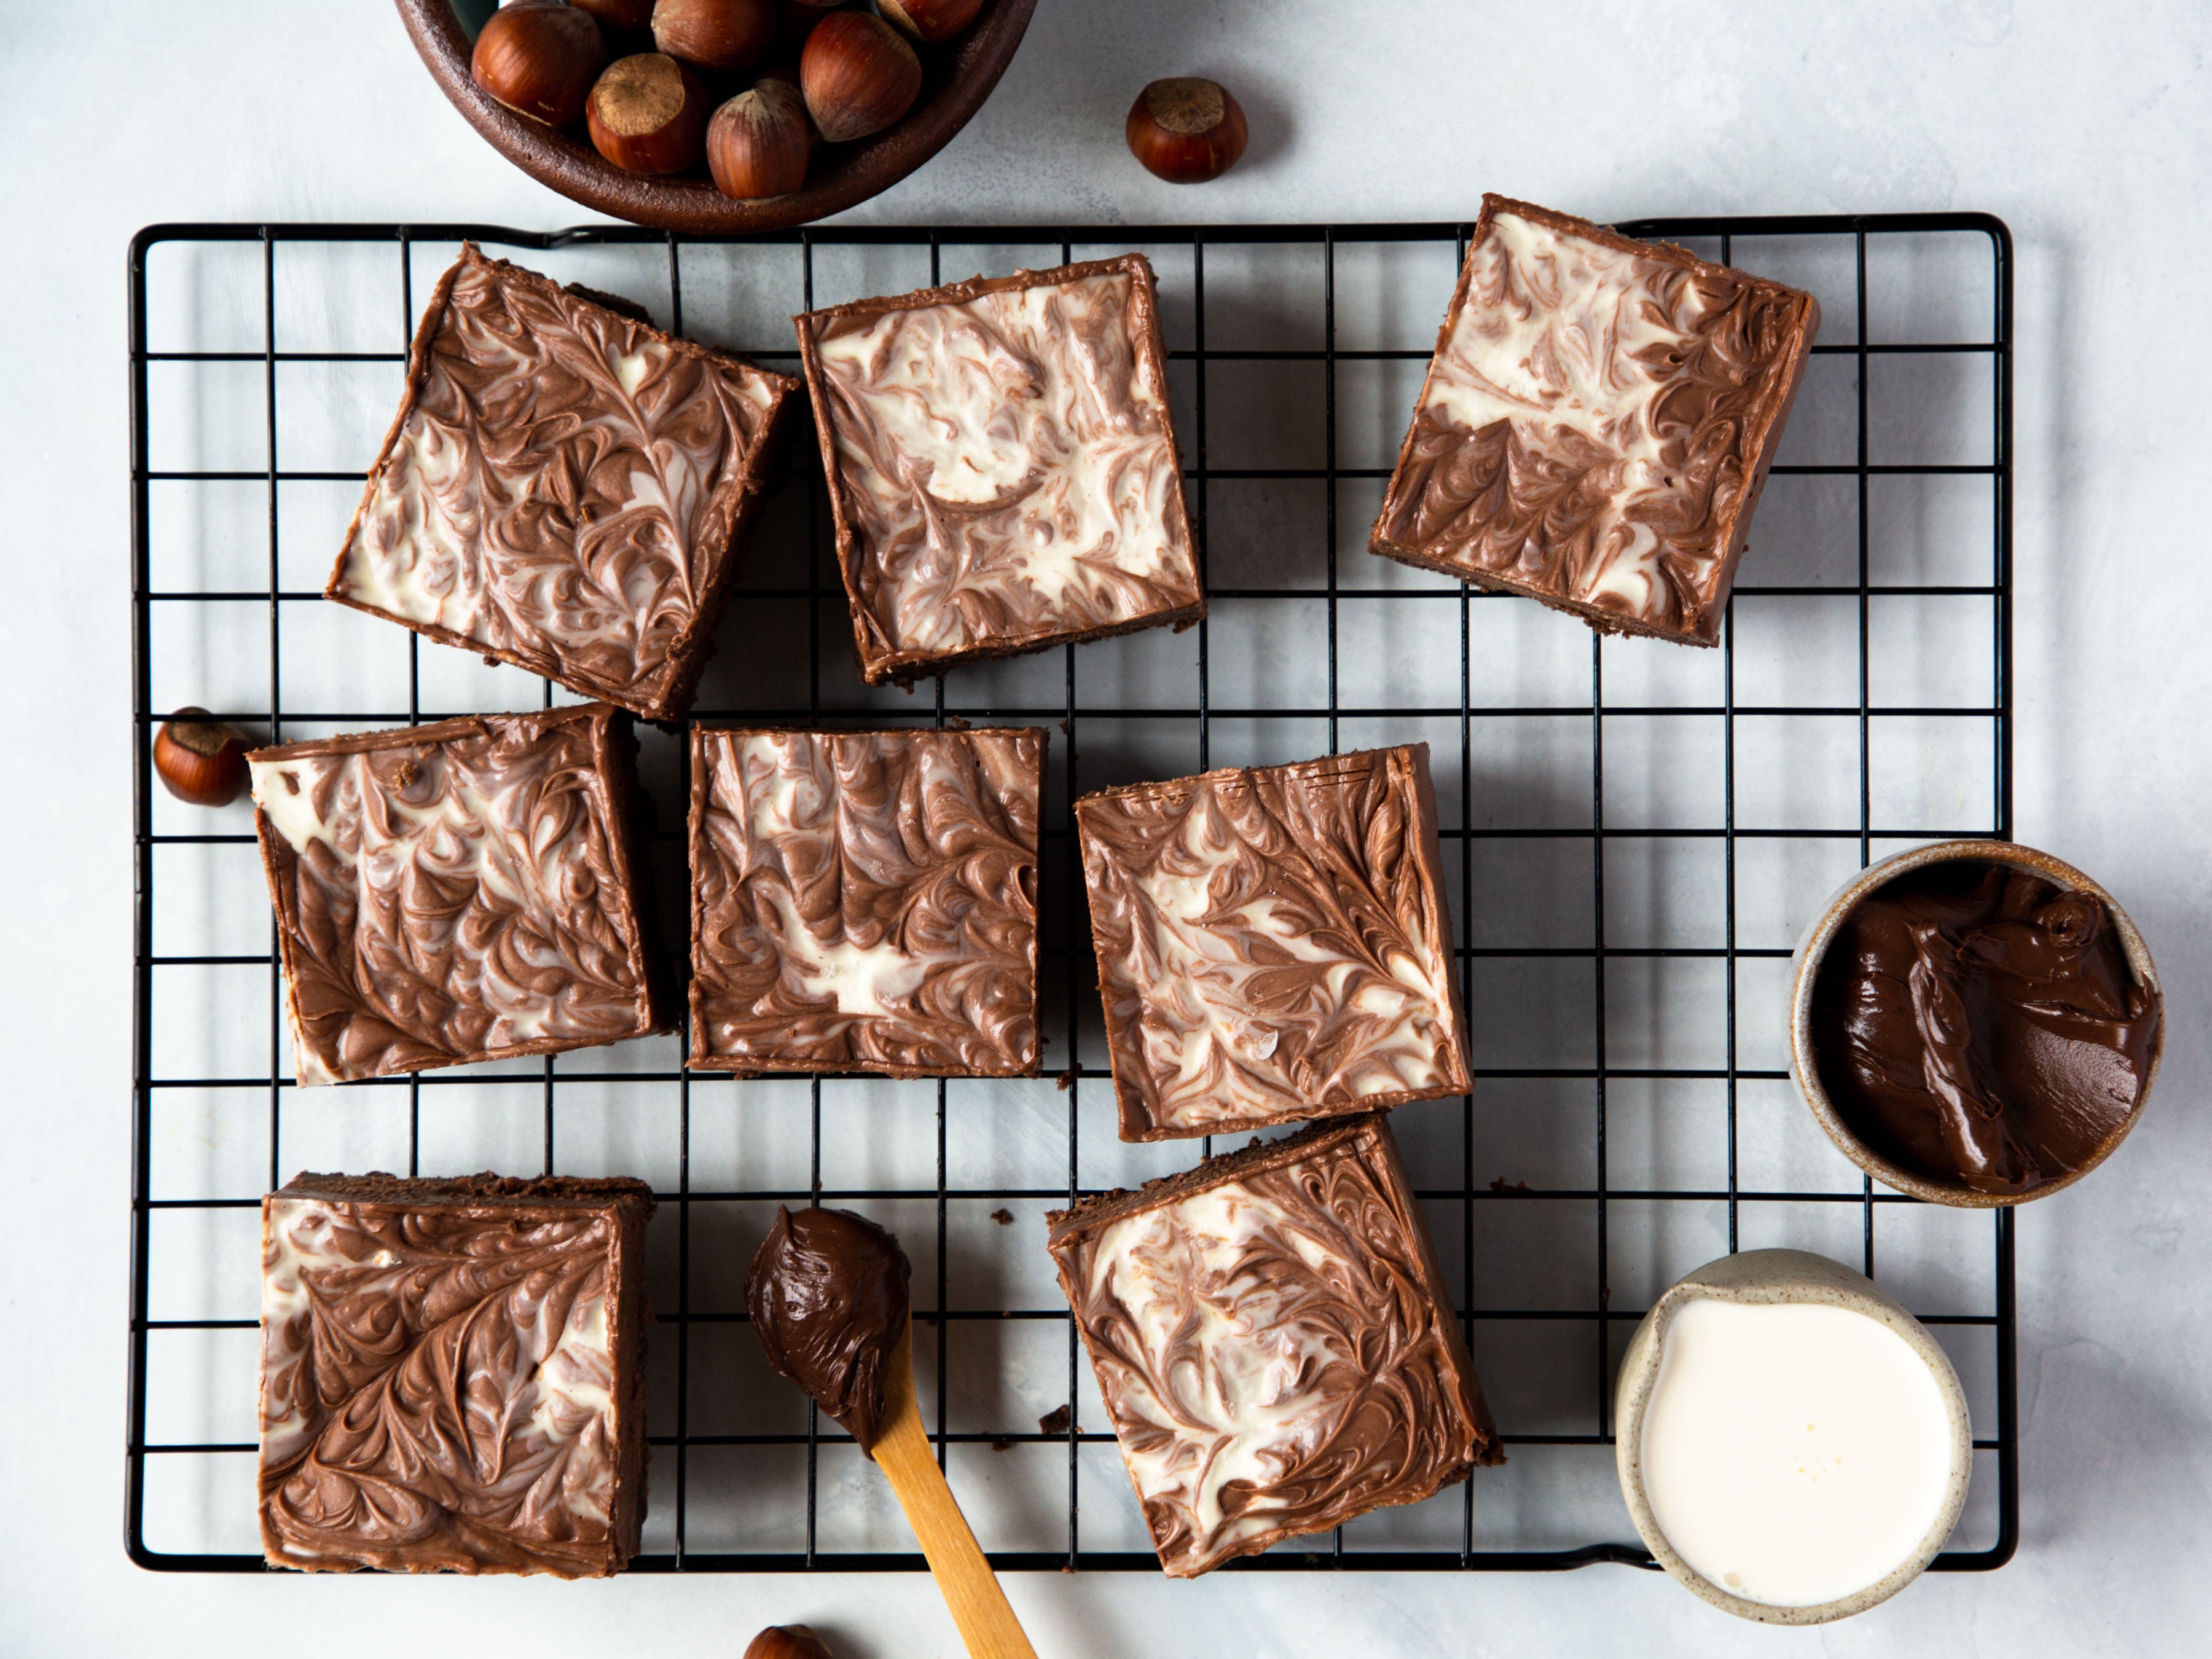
(827, 1294)
(1975, 1023)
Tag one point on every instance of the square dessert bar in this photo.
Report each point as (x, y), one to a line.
(866, 901)
(1273, 944)
(466, 891)
(565, 487)
(1003, 464)
(453, 1374)
(1274, 1342)
(1597, 423)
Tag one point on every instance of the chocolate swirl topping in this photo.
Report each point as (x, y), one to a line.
(866, 901)
(1272, 944)
(454, 892)
(561, 488)
(1976, 1024)
(449, 1375)
(827, 1291)
(1005, 465)
(1596, 423)
(1273, 1344)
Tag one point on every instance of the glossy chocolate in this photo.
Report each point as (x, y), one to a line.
(866, 901)
(827, 1295)
(1004, 461)
(1274, 1343)
(566, 487)
(1976, 1024)
(452, 1374)
(1272, 943)
(460, 892)
(1596, 423)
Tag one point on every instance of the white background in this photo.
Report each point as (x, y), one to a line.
(2084, 126)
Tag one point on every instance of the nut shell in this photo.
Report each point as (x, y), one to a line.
(539, 59)
(758, 143)
(929, 21)
(631, 17)
(647, 115)
(200, 760)
(1186, 129)
(787, 1641)
(725, 37)
(859, 74)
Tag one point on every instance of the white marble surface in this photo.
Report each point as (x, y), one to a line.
(2084, 126)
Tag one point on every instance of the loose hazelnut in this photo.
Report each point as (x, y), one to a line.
(1185, 131)
(859, 75)
(725, 36)
(201, 760)
(758, 143)
(787, 1641)
(930, 21)
(631, 17)
(539, 58)
(647, 115)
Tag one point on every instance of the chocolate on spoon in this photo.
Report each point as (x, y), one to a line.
(827, 1294)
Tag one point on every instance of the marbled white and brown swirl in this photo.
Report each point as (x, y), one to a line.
(1005, 465)
(1274, 1343)
(866, 901)
(1597, 423)
(466, 891)
(566, 487)
(1273, 944)
(452, 1374)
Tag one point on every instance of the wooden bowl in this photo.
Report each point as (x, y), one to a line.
(956, 77)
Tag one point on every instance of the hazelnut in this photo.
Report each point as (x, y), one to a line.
(647, 115)
(930, 21)
(1186, 129)
(725, 36)
(539, 58)
(787, 1641)
(758, 143)
(859, 75)
(201, 760)
(629, 16)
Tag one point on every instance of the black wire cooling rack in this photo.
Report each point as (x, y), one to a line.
(1627, 884)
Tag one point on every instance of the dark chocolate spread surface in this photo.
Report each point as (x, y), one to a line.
(1977, 1024)
(827, 1294)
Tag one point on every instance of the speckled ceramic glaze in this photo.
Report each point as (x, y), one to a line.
(957, 78)
(1805, 970)
(1770, 1277)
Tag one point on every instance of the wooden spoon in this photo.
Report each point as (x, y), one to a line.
(964, 1578)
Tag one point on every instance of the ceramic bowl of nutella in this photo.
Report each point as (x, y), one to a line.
(1793, 1445)
(1975, 1022)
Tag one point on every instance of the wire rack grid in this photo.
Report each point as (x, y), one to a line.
(1625, 884)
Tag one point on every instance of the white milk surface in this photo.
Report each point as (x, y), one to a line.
(1792, 1454)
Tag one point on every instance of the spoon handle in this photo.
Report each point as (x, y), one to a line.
(964, 1578)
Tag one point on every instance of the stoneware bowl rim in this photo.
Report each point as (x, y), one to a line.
(1805, 966)
(971, 64)
(1769, 1278)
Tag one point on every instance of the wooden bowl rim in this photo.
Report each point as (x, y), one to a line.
(977, 59)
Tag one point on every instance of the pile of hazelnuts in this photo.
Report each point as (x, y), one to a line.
(656, 82)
